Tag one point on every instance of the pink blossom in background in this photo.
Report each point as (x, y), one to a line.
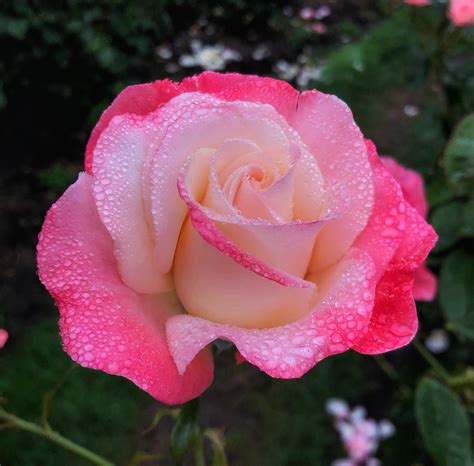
(360, 435)
(461, 12)
(307, 13)
(413, 189)
(319, 27)
(230, 207)
(3, 337)
(418, 2)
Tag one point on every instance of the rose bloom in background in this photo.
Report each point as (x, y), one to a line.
(461, 12)
(3, 337)
(230, 206)
(418, 2)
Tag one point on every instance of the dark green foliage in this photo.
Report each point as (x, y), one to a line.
(443, 423)
(92, 408)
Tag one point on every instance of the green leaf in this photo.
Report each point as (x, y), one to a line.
(443, 423)
(468, 223)
(458, 159)
(141, 457)
(456, 293)
(447, 221)
(183, 430)
(438, 191)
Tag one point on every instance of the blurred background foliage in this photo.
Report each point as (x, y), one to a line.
(408, 76)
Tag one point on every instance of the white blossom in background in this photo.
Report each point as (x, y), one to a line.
(307, 13)
(411, 110)
(360, 435)
(209, 57)
(164, 52)
(337, 408)
(322, 12)
(437, 341)
(286, 70)
(260, 52)
(302, 72)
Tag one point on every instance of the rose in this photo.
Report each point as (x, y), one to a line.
(413, 189)
(229, 206)
(418, 2)
(461, 12)
(3, 337)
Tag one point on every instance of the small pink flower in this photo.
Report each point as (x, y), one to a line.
(413, 189)
(307, 13)
(418, 2)
(3, 337)
(461, 12)
(234, 207)
(360, 436)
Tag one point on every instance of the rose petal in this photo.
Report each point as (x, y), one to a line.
(394, 321)
(227, 285)
(140, 99)
(386, 226)
(204, 121)
(411, 182)
(104, 324)
(233, 86)
(347, 294)
(257, 245)
(424, 288)
(119, 157)
(327, 127)
(418, 240)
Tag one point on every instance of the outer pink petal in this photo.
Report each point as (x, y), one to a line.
(411, 182)
(412, 185)
(394, 322)
(291, 350)
(386, 226)
(233, 86)
(327, 127)
(418, 240)
(104, 324)
(140, 99)
(424, 288)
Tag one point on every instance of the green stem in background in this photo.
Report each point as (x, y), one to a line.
(199, 459)
(391, 373)
(16, 422)
(386, 366)
(431, 360)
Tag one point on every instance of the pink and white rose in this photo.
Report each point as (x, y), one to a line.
(229, 206)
